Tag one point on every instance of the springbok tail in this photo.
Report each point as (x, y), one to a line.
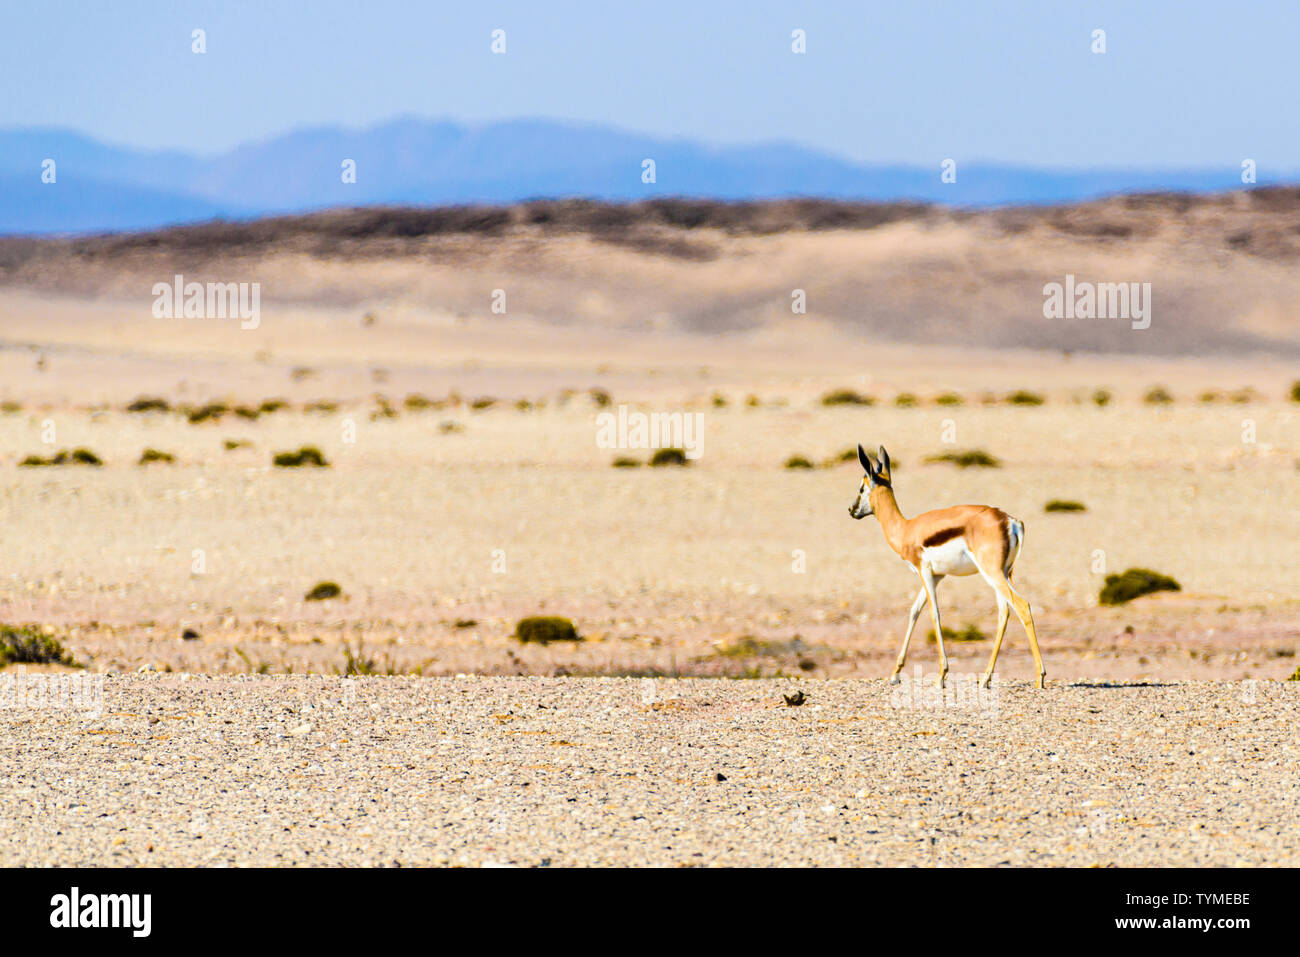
(1015, 537)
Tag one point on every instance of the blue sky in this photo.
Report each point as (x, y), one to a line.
(1182, 84)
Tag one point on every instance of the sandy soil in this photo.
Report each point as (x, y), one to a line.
(195, 770)
(445, 525)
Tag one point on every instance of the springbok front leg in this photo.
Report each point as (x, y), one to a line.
(918, 606)
(930, 581)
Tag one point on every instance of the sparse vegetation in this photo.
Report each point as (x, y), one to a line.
(848, 455)
(79, 456)
(798, 462)
(948, 398)
(307, 455)
(323, 591)
(1101, 398)
(323, 406)
(1064, 505)
(969, 633)
(627, 462)
(482, 403)
(28, 644)
(544, 629)
(664, 457)
(1158, 396)
(213, 411)
(600, 397)
(847, 397)
(271, 406)
(970, 458)
(418, 403)
(1295, 391)
(153, 455)
(232, 444)
(747, 646)
(906, 400)
(148, 404)
(1024, 397)
(1134, 583)
(11, 407)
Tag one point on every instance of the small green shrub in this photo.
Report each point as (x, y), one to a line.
(232, 444)
(848, 455)
(1101, 398)
(1134, 583)
(664, 457)
(798, 462)
(27, 644)
(969, 633)
(1295, 675)
(1158, 396)
(1064, 505)
(971, 458)
(11, 407)
(213, 411)
(323, 406)
(153, 455)
(480, 404)
(77, 456)
(1023, 397)
(600, 398)
(1295, 391)
(307, 455)
(847, 397)
(627, 462)
(148, 404)
(906, 400)
(544, 629)
(948, 398)
(271, 406)
(418, 403)
(322, 591)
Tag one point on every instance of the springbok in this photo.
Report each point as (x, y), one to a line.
(960, 540)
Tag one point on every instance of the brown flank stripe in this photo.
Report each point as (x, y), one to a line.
(938, 538)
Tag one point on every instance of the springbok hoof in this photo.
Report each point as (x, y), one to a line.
(894, 679)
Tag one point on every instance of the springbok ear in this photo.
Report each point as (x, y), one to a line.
(865, 459)
(884, 463)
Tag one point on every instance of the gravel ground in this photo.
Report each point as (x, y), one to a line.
(202, 770)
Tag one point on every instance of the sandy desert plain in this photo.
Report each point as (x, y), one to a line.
(445, 517)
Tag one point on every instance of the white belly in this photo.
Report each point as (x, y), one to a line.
(953, 557)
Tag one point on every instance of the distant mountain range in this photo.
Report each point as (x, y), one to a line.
(104, 188)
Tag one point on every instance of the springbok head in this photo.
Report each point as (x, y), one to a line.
(877, 476)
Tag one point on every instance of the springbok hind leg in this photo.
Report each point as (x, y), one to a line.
(918, 606)
(1021, 607)
(1004, 614)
